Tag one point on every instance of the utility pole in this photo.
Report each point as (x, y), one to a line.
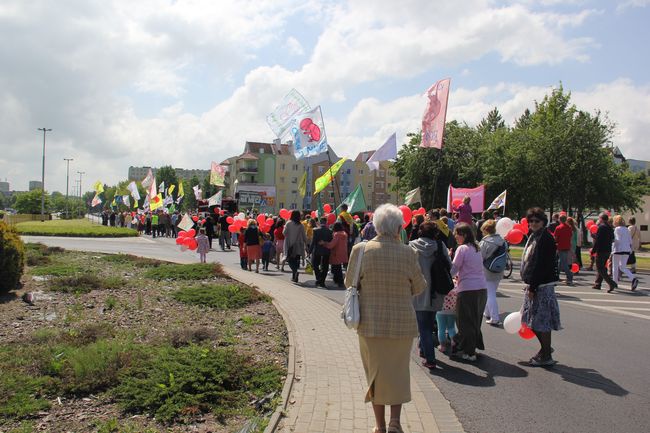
(45, 130)
(67, 182)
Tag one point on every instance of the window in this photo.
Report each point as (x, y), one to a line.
(389, 185)
(361, 172)
(321, 170)
(379, 185)
(331, 194)
(294, 180)
(281, 205)
(369, 185)
(294, 192)
(382, 173)
(348, 171)
(293, 206)
(261, 150)
(282, 180)
(282, 166)
(294, 167)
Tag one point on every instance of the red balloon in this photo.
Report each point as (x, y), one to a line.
(515, 236)
(191, 233)
(331, 218)
(216, 210)
(203, 221)
(518, 226)
(590, 223)
(179, 240)
(420, 211)
(261, 219)
(182, 234)
(457, 202)
(284, 214)
(232, 228)
(193, 244)
(314, 214)
(524, 224)
(525, 332)
(269, 222)
(265, 228)
(230, 220)
(186, 240)
(407, 214)
(327, 208)
(593, 229)
(222, 212)
(195, 218)
(575, 268)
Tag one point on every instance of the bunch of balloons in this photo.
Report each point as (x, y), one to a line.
(186, 240)
(513, 325)
(592, 227)
(512, 232)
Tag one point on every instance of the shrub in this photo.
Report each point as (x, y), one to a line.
(131, 259)
(85, 283)
(12, 258)
(185, 336)
(221, 297)
(177, 383)
(198, 271)
(57, 270)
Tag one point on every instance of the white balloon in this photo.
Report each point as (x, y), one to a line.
(504, 225)
(241, 216)
(512, 322)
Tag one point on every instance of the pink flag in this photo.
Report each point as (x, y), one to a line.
(433, 121)
(455, 197)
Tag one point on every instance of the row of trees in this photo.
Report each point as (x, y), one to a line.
(557, 157)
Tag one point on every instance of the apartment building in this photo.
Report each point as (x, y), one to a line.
(139, 173)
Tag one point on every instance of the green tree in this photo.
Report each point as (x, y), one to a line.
(168, 175)
(30, 202)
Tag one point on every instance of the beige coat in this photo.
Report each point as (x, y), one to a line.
(390, 277)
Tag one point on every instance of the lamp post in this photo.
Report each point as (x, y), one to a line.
(81, 173)
(67, 183)
(45, 130)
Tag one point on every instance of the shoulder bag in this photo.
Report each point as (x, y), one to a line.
(351, 314)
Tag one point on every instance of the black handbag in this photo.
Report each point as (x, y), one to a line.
(441, 281)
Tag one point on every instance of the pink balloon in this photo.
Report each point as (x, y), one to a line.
(524, 224)
(327, 208)
(420, 211)
(515, 236)
(407, 214)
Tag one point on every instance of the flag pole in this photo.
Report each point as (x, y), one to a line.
(336, 186)
(435, 179)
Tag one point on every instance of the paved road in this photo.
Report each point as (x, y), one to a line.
(601, 383)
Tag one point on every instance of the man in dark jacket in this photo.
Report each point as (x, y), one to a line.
(320, 255)
(209, 229)
(224, 234)
(603, 249)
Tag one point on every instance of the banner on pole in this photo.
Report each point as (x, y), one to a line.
(308, 131)
(455, 196)
(281, 118)
(356, 201)
(386, 152)
(322, 182)
(433, 121)
(499, 201)
(413, 197)
(217, 174)
(133, 188)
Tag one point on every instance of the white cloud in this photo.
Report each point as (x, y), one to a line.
(294, 46)
(632, 4)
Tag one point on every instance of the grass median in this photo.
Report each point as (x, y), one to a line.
(73, 228)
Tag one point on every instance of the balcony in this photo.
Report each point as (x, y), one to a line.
(248, 169)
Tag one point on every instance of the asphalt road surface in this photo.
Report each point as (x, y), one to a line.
(601, 383)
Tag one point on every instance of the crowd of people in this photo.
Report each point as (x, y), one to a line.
(435, 277)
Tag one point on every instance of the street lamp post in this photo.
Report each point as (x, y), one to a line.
(81, 173)
(67, 182)
(45, 130)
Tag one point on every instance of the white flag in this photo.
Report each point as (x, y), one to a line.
(499, 201)
(146, 182)
(412, 197)
(126, 201)
(152, 190)
(134, 190)
(387, 151)
(186, 223)
(197, 192)
(215, 200)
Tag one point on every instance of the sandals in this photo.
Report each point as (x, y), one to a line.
(394, 428)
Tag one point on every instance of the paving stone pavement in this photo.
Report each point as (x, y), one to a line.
(327, 395)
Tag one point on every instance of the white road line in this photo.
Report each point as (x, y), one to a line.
(571, 292)
(610, 309)
(611, 300)
(631, 309)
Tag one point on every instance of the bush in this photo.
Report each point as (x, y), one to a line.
(12, 258)
(179, 383)
(198, 271)
(221, 297)
(131, 259)
(85, 283)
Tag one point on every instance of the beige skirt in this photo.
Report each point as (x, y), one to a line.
(386, 363)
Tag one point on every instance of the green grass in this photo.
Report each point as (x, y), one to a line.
(131, 259)
(57, 270)
(197, 271)
(74, 228)
(85, 283)
(221, 297)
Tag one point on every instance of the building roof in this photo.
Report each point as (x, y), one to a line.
(248, 156)
(256, 147)
(364, 156)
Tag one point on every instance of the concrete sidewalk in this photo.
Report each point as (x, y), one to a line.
(329, 383)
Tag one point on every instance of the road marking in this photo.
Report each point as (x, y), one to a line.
(611, 300)
(631, 308)
(610, 309)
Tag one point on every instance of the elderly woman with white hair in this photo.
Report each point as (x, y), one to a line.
(389, 278)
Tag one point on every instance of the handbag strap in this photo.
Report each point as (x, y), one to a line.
(357, 271)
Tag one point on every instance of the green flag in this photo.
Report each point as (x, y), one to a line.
(319, 207)
(356, 201)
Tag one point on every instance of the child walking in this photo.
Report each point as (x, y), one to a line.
(446, 319)
(267, 251)
(243, 256)
(203, 245)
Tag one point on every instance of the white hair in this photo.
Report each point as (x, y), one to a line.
(388, 219)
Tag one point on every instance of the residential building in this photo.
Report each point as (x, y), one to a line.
(288, 173)
(251, 177)
(139, 173)
(35, 184)
(377, 185)
(4, 186)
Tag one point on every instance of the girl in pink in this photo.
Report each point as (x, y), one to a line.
(446, 319)
(472, 292)
(465, 211)
(203, 245)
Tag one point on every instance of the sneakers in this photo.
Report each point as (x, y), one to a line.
(536, 361)
(493, 322)
(635, 283)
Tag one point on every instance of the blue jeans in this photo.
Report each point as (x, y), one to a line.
(446, 322)
(565, 266)
(425, 327)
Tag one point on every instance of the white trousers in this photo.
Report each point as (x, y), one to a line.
(619, 264)
(491, 307)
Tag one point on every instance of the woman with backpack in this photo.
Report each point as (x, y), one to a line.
(494, 252)
(429, 301)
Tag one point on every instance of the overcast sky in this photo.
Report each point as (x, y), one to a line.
(185, 82)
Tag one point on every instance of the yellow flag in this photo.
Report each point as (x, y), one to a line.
(171, 189)
(181, 193)
(156, 202)
(98, 187)
(322, 182)
(302, 188)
